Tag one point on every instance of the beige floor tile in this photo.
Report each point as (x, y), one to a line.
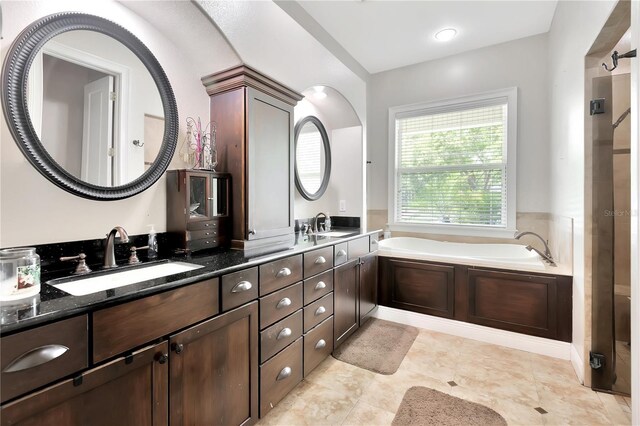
(439, 341)
(494, 369)
(423, 359)
(320, 405)
(342, 377)
(518, 414)
(520, 391)
(614, 411)
(387, 392)
(366, 414)
(547, 369)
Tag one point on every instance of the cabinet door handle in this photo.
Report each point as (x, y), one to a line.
(35, 357)
(285, 332)
(284, 272)
(283, 303)
(341, 253)
(177, 347)
(320, 285)
(320, 260)
(321, 310)
(252, 232)
(241, 286)
(162, 358)
(284, 373)
(321, 344)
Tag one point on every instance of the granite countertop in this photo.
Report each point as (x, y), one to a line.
(53, 304)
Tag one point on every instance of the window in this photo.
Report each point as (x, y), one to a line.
(453, 165)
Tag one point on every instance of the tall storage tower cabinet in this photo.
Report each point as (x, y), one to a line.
(254, 119)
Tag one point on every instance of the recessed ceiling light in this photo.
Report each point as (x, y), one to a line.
(319, 93)
(446, 35)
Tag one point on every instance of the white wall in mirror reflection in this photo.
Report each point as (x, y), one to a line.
(83, 128)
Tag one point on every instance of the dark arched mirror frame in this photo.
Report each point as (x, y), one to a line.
(15, 72)
(327, 160)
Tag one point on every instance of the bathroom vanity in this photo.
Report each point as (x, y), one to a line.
(222, 344)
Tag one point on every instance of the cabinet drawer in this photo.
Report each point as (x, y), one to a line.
(36, 357)
(203, 244)
(280, 273)
(202, 235)
(318, 286)
(239, 288)
(280, 335)
(318, 311)
(278, 305)
(132, 324)
(279, 376)
(358, 247)
(318, 344)
(340, 254)
(202, 225)
(317, 261)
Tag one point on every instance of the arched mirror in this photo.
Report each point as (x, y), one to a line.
(89, 106)
(313, 158)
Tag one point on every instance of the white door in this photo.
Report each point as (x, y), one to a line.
(97, 132)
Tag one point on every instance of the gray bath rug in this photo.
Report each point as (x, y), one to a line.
(424, 406)
(378, 346)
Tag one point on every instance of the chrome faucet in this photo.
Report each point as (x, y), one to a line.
(109, 255)
(547, 253)
(315, 222)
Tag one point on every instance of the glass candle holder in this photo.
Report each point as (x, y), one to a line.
(19, 273)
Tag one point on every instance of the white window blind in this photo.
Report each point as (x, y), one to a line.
(451, 165)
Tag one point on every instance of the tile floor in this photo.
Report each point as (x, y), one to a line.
(512, 382)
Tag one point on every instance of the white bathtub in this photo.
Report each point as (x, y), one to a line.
(508, 256)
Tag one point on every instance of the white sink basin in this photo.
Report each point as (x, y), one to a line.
(335, 234)
(87, 285)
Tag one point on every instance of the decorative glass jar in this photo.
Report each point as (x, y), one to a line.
(19, 273)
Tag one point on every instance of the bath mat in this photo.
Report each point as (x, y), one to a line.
(378, 346)
(424, 406)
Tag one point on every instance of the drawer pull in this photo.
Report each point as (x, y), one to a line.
(207, 225)
(284, 333)
(320, 260)
(320, 285)
(283, 303)
(241, 286)
(284, 373)
(321, 310)
(321, 344)
(341, 253)
(35, 357)
(284, 272)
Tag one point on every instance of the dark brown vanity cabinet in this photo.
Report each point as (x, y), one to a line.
(126, 391)
(197, 209)
(355, 288)
(254, 117)
(214, 370)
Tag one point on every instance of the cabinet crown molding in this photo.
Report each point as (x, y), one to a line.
(244, 75)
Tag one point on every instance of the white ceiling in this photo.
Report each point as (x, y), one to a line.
(382, 35)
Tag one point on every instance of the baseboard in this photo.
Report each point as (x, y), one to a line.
(577, 363)
(538, 345)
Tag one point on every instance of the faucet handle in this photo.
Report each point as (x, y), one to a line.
(82, 267)
(133, 258)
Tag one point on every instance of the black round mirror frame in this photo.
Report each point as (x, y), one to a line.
(327, 154)
(15, 72)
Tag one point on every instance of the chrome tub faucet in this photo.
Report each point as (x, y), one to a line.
(547, 253)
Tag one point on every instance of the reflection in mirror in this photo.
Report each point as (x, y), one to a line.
(313, 158)
(95, 108)
(310, 157)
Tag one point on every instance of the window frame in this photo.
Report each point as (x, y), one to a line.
(453, 104)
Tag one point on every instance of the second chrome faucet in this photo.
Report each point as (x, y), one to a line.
(109, 254)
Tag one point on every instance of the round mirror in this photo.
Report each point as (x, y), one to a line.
(313, 158)
(89, 106)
